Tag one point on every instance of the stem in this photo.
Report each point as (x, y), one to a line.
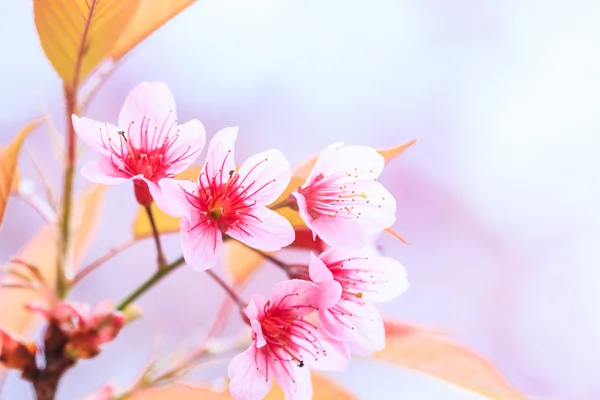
(290, 201)
(270, 258)
(67, 197)
(102, 259)
(230, 291)
(161, 255)
(158, 275)
(39, 205)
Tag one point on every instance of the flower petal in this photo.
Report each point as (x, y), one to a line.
(363, 161)
(295, 381)
(339, 231)
(174, 196)
(103, 171)
(304, 214)
(336, 354)
(265, 176)
(324, 156)
(247, 375)
(380, 212)
(96, 134)
(263, 229)
(219, 160)
(255, 309)
(359, 325)
(149, 107)
(393, 277)
(190, 141)
(202, 244)
(301, 295)
(331, 290)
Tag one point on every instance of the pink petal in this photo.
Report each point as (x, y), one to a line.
(264, 230)
(303, 211)
(95, 134)
(393, 276)
(219, 160)
(202, 245)
(324, 157)
(301, 295)
(103, 171)
(360, 160)
(266, 174)
(247, 375)
(152, 105)
(336, 355)
(338, 231)
(331, 290)
(359, 325)
(256, 307)
(172, 197)
(295, 381)
(190, 141)
(260, 338)
(380, 212)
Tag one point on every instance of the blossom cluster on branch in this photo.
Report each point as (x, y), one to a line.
(324, 312)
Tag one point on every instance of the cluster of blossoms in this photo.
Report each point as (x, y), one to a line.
(324, 312)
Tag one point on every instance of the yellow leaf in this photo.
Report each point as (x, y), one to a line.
(86, 218)
(8, 165)
(240, 261)
(150, 15)
(164, 222)
(15, 180)
(323, 389)
(179, 392)
(42, 252)
(433, 353)
(77, 35)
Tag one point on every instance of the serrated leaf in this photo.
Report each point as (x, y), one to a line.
(8, 165)
(76, 35)
(435, 354)
(149, 16)
(164, 223)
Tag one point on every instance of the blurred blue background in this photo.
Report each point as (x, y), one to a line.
(499, 197)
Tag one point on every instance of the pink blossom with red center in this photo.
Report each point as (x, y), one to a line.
(147, 145)
(226, 201)
(364, 276)
(341, 201)
(285, 345)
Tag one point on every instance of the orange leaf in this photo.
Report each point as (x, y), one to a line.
(324, 388)
(85, 219)
(179, 392)
(433, 353)
(42, 252)
(77, 35)
(150, 15)
(8, 165)
(164, 223)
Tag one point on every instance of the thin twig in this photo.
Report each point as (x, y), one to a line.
(50, 196)
(285, 267)
(230, 291)
(102, 259)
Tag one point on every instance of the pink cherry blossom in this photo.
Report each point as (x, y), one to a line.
(223, 201)
(285, 345)
(341, 201)
(364, 276)
(147, 145)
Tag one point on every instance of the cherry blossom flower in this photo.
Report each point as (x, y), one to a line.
(341, 201)
(230, 202)
(364, 276)
(147, 145)
(85, 329)
(285, 345)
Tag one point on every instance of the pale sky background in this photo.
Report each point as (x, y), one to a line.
(499, 197)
